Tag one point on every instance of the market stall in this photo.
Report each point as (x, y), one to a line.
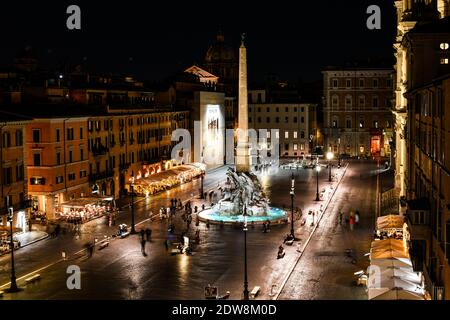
(393, 294)
(148, 184)
(84, 209)
(390, 226)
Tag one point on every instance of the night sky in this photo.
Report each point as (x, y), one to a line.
(293, 39)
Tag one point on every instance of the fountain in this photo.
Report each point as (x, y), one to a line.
(242, 189)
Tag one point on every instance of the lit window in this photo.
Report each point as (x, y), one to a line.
(444, 45)
(286, 134)
(277, 134)
(268, 134)
(295, 134)
(295, 147)
(444, 61)
(302, 146)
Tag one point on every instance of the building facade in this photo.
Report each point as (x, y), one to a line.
(357, 111)
(293, 120)
(13, 173)
(421, 111)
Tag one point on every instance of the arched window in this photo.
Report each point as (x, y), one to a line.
(348, 102)
(335, 102)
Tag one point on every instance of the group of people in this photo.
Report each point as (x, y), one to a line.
(352, 220)
(81, 215)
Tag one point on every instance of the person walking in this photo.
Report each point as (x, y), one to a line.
(148, 233)
(351, 221)
(166, 244)
(142, 233)
(143, 242)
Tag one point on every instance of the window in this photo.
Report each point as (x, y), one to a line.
(6, 140)
(302, 146)
(361, 83)
(81, 154)
(375, 102)
(348, 123)
(259, 119)
(37, 180)
(375, 124)
(361, 123)
(19, 172)
(277, 134)
(58, 158)
(36, 135)
(7, 176)
(335, 101)
(295, 120)
(82, 174)
(302, 119)
(286, 109)
(37, 159)
(81, 133)
(362, 101)
(71, 176)
(97, 125)
(348, 83)
(302, 134)
(302, 109)
(267, 109)
(259, 109)
(335, 83)
(268, 134)
(335, 124)
(286, 119)
(91, 125)
(277, 119)
(443, 46)
(268, 119)
(19, 138)
(295, 134)
(444, 60)
(58, 137)
(348, 101)
(286, 146)
(70, 156)
(59, 179)
(70, 134)
(277, 109)
(295, 147)
(295, 109)
(286, 134)
(388, 83)
(375, 83)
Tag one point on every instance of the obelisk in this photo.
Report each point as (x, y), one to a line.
(242, 148)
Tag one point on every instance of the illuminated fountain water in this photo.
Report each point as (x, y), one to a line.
(242, 189)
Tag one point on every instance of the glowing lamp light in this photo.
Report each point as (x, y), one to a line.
(318, 168)
(329, 155)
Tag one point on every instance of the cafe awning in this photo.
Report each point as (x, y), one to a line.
(390, 222)
(393, 294)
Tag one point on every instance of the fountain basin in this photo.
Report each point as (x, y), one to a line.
(212, 215)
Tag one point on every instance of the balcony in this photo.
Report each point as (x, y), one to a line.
(99, 150)
(418, 219)
(124, 166)
(100, 176)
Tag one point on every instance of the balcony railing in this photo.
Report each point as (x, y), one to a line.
(100, 176)
(99, 150)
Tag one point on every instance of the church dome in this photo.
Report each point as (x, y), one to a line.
(220, 51)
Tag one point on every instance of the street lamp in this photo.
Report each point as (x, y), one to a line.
(329, 157)
(292, 205)
(13, 287)
(133, 230)
(202, 176)
(245, 255)
(317, 178)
